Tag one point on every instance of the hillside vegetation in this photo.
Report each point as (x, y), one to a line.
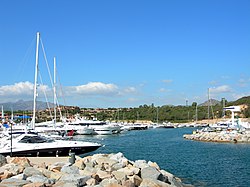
(165, 113)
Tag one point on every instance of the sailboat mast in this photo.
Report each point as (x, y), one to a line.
(54, 87)
(35, 81)
(208, 105)
(196, 112)
(2, 115)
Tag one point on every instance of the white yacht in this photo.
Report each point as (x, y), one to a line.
(102, 128)
(36, 145)
(78, 124)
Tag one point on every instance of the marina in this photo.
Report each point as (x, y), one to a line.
(203, 164)
(125, 93)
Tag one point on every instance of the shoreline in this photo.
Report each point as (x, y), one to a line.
(220, 136)
(102, 170)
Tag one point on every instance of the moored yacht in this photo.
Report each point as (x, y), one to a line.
(36, 145)
(103, 128)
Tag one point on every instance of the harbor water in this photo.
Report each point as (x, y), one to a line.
(202, 164)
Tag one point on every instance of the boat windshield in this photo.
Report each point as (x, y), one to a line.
(34, 139)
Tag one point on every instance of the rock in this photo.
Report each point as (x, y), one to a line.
(128, 183)
(65, 184)
(70, 169)
(117, 166)
(140, 164)
(103, 174)
(75, 179)
(3, 160)
(91, 182)
(12, 182)
(20, 176)
(13, 168)
(153, 164)
(38, 178)
(135, 179)
(22, 161)
(105, 160)
(36, 184)
(150, 182)
(120, 176)
(57, 166)
(6, 175)
(130, 170)
(29, 171)
(109, 181)
(113, 185)
(96, 177)
(45, 172)
(56, 176)
(150, 172)
(80, 164)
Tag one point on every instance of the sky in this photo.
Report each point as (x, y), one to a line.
(125, 53)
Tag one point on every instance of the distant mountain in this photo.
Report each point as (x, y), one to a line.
(25, 105)
(211, 102)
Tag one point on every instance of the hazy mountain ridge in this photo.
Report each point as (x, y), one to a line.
(40, 105)
(211, 102)
(25, 105)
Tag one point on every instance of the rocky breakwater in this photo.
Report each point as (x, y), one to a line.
(102, 170)
(221, 136)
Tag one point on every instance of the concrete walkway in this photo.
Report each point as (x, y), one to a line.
(46, 160)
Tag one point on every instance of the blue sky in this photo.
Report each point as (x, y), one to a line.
(127, 53)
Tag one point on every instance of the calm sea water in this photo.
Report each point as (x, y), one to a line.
(197, 163)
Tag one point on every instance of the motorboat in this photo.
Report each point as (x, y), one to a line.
(79, 127)
(36, 145)
(103, 128)
(99, 127)
(13, 129)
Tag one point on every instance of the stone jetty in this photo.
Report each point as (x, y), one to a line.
(220, 136)
(100, 170)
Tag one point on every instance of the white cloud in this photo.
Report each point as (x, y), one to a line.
(21, 88)
(220, 89)
(130, 90)
(97, 88)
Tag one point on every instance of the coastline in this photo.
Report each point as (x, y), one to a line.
(220, 136)
(102, 170)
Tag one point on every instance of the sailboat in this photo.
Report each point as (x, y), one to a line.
(36, 145)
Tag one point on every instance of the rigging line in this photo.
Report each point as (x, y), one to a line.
(45, 57)
(63, 96)
(45, 97)
(27, 56)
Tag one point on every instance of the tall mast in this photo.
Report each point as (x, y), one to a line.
(196, 112)
(157, 115)
(223, 106)
(208, 105)
(54, 87)
(35, 82)
(2, 114)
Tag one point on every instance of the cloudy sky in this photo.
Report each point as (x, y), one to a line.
(126, 53)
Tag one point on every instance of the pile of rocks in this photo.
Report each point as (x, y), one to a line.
(222, 136)
(102, 170)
